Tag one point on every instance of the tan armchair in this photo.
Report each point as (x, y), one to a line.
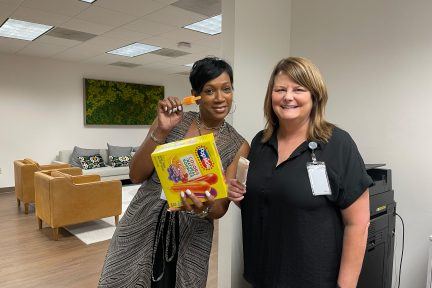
(63, 199)
(24, 179)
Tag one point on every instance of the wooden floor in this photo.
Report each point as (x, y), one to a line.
(29, 258)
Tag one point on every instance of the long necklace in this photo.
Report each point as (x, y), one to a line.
(217, 130)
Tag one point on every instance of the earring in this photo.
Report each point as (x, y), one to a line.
(233, 110)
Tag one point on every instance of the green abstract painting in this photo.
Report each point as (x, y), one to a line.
(120, 103)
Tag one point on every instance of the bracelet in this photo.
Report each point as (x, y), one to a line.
(156, 140)
(204, 213)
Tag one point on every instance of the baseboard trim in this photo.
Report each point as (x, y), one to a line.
(7, 189)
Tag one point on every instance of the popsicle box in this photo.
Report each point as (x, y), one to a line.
(193, 164)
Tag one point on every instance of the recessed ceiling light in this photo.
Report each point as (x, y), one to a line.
(210, 26)
(88, 1)
(22, 29)
(134, 49)
(189, 65)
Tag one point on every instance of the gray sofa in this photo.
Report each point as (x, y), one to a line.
(106, 173)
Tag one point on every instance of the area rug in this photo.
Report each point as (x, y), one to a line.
(103, 229)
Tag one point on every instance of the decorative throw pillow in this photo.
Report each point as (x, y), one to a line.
(118, 151)
(90, 162)
(77, 152)
(120, 161)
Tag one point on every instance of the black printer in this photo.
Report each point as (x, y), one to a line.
(378, 261)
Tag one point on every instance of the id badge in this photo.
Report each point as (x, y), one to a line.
(318, 178)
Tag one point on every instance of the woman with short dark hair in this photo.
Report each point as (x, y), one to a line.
(154, 247)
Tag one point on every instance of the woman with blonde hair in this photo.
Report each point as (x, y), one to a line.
(305, 210)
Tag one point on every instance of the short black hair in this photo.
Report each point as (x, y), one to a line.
(208, 69)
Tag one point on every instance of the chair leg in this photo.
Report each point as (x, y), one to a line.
(39, 222)
(55, 233)
(18, 202)
(26, 208)
(116, 219)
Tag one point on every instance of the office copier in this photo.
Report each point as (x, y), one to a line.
(378, 262)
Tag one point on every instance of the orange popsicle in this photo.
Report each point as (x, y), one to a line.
(210, 178)
(188, 100)
(198, 186)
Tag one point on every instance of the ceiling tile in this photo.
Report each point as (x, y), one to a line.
(104, 16)
(117, 24)
(41, 49)
(205, 7)
(214, 41)
(104, 44)
(174, 16)
(63, 7)
(105, 59)
(57, 41)
(15, 3)
(146, 58)
(6, 10)
(124, 64)
(9, 45)
(172, 44)
(78, 54)
(159, 65)
(132, 7)
(187, 59)
(64, 33)
(166, 2)
(85, 26)
(173, 53)
(40, 17)
(125, 34)
(176, 69)
(181, 34)
(184, 60)
(149, 27)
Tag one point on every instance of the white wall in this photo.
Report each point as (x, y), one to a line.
(376, 57)
(256, 34)
(41, 108)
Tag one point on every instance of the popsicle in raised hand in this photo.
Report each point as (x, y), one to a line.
(189, 100)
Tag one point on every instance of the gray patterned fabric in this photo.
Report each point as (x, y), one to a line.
(77, 152)
(120, 161)
(91, 162)
(129, 258)
(118, 151)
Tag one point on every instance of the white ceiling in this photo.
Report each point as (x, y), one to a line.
(116, 23)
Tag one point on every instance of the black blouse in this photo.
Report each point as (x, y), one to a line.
(291, 238)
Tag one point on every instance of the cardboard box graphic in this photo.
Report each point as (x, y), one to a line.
(193, 164)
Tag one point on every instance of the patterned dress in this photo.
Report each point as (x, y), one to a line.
(131, 255)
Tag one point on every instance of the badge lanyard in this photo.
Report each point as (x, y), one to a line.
(317, 174)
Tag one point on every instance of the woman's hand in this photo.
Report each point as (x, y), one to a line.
(170, 112)
(236, 191)
(202, 209)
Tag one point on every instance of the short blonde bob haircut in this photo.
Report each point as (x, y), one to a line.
(305, 73)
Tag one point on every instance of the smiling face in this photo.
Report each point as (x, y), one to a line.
(216, 99)
(291, 102)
